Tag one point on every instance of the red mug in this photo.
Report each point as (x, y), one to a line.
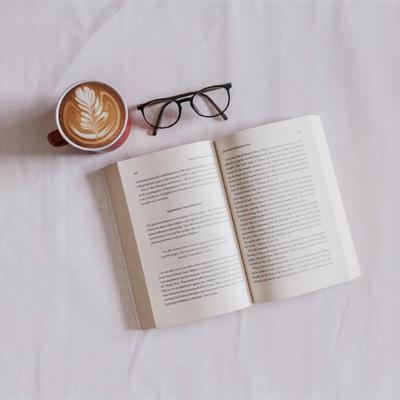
(58, 138)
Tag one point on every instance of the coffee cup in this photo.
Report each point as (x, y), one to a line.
(91, 116)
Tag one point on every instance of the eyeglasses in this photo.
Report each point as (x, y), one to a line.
(209, 102)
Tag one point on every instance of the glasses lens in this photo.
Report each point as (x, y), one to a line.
(162, 113)
(211, 102)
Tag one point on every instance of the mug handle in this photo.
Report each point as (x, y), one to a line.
(55, 139)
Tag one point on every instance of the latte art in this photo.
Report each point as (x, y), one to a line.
(92, 114)
(92, 117)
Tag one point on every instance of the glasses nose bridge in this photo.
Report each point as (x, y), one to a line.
(184, 100)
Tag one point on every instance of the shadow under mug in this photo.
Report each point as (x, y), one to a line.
(57, 138)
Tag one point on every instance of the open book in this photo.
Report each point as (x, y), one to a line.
(213, 227)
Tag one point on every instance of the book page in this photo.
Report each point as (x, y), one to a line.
(287, 210)
(184, 234)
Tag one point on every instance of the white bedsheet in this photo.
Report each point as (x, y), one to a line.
(65, 316)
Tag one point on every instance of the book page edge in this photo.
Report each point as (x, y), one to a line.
(133, 264)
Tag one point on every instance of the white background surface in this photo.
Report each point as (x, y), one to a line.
(64, 312)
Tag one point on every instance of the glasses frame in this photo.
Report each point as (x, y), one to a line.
(186, 97)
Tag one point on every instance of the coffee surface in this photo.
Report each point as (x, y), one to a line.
(92, 114)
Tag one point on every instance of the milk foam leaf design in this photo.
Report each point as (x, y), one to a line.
(93, 119)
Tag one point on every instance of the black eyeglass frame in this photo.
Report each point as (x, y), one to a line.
(186, 97)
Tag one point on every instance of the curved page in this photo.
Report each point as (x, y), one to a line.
(184, 234)
(287, 209)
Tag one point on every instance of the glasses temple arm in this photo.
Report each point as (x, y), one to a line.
(154, 133)
(222, 114)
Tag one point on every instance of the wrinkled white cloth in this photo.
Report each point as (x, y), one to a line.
(65, 316)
